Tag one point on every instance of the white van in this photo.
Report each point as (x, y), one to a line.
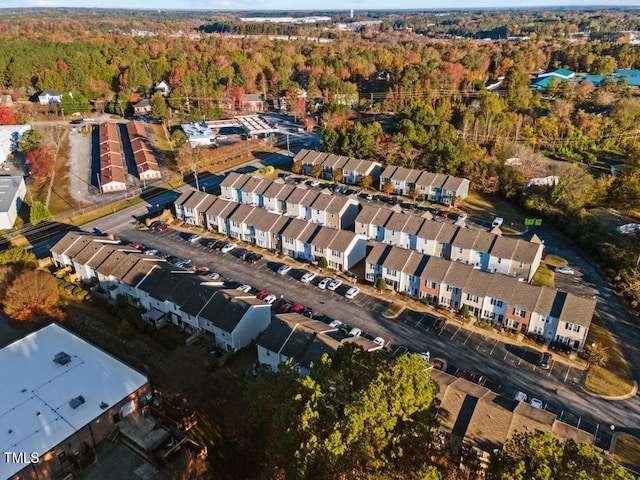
(497, 222)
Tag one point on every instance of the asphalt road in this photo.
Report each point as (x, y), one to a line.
(508, 367)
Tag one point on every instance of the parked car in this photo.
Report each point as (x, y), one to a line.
(324, 282)
(254, 258)
(307, 312)
(152, 251)
(209, 243)
(286, 307)
(244, 288)
(336, 324)
(355, 332)
(270, 298)
(352, 292)
(283, 269)
(379, 341)
(462, 216)
(212, 275)
(307, 277)
(334, 284)
(154, 225)
(193, 238)
(472, 377)
(262, 295)
(519, 396)
(162, 227)
(241, 253)
(369, 196)
(497, 222)
(546, 359)
(565, 270)
(228, 247)
(439, 324)
(297, 308)
(536, 403)
(426, 356)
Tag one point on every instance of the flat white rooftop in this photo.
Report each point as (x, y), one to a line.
(35, 410)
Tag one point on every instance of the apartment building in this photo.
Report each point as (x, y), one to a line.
(435, 187)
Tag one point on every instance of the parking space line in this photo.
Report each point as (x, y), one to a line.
(494, 347)
(567, 375)
(467, 339)
(454, 334)
(505, 355)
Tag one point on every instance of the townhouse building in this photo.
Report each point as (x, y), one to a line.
(556, 315)
(353, 169)
(112, 167)
(166, 293)
(294, 200)
(294, 237)
(435, 187)
(487, 251)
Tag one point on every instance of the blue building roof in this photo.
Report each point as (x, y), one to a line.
(593, 79)
(627, 72)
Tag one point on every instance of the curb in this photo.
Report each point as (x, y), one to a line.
(633, 392)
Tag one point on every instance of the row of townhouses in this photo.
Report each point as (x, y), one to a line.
(294, 200)
(112, 169)
(352, 169)
(558, 316)
(435, 187)
(166, 293)
(487, 251)
(292, 236)
(143, 156)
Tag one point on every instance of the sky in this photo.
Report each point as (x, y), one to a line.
(284, 5)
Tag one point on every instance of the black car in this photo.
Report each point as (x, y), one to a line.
(439, 324)
(307, 312)
(254, 258)
(154, 225)
(241, 253)
(545, 361)
(79, 121)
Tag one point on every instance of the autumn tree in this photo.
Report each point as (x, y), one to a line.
(387, 187)
(338, 175)
(541, 456)
(7, 116)
(190, 159)
(316, 171)
(597, 354)
(296, 167)
(40, 161)
(31, 289)
(19, 258)
(366, 181)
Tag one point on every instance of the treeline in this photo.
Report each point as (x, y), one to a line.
(254, 28)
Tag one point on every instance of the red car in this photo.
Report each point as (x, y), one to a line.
(261, 295)
(286, 308)
(297, 308)
(162, 227)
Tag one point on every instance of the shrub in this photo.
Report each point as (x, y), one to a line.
(322, 262)
(76, 290)
(381, 284)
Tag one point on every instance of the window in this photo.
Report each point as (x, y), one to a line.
(499, 260)
(519, 313)
(452, 289)
(473, 298)
(461, 249)
(430, 284)
(497, 303)
(288, 240)
(393, 273)
(445, 301)
(572, 326)
(317, 249)
(512, 323)
(538, 330)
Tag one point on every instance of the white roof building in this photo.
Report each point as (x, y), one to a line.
(12, 193)
(53, 385)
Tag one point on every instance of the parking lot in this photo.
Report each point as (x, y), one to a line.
(506, 367)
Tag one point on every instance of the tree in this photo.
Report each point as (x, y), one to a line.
(357, 415)
(19, 258)
(75, 103)
(31, 289)
(40, 161)
(119, 104)
(322, 262)
(387, 187)
(177, 138)
(39, 213)
(366, 181)
(597, 354)
(159, 108)
(29, 140)
(316, 171)
(190, 159)
(338, 176)
(541, 456)
(296, 167)
(7, 116)
(518, 90)
(381, 284)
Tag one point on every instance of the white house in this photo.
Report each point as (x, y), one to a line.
(12, 192)
(50, 95)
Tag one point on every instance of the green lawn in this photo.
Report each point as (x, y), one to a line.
(555, 261)
(614, 379)
(488, 207)
(544, 276)
(627, 451)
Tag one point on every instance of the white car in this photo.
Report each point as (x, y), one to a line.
(194, 237)
(212, 275)
(334, 283)
(244, 288)
(283, 269)
(269, 299)
(152, 251)
(369, 196)
(462, 216)
(352, 292)
(520, 397)
(536, 403)
(307, 277)
(565, 270)
(228, 247)
(426, 356)
(336, 324)
(315, 183)
(355, 332)
(324, 282)
(379, 341)
(497, 222)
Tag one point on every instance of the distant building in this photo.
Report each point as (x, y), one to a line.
(12, 192)
(6, 101)
(143, 107)
(541, 82)
(435, 187)
(61, 398)
(163, 88)
(49, 96)
(9, 138)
